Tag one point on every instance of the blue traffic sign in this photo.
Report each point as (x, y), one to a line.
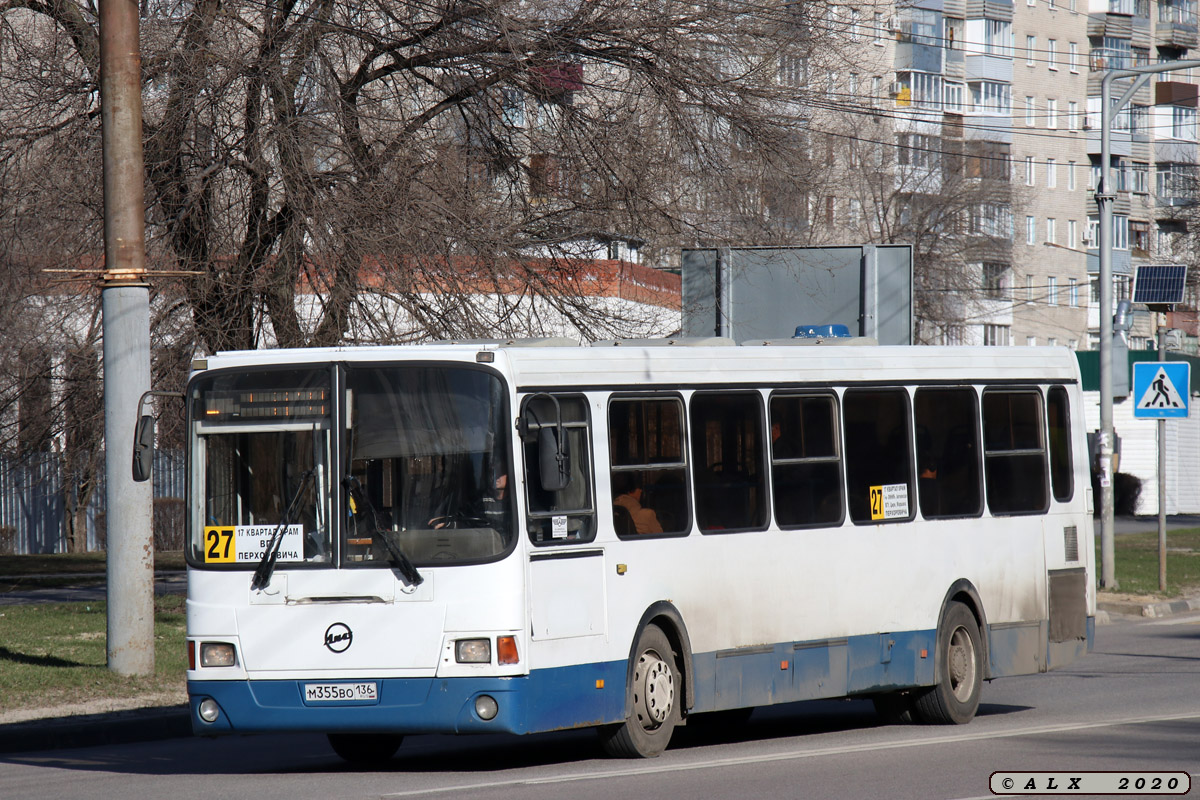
(1161, 389)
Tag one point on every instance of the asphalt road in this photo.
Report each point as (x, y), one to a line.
(1132, 705)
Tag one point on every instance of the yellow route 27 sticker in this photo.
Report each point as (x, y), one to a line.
(889, 501)
(240, 544)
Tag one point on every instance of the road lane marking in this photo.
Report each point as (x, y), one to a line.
(766, 758)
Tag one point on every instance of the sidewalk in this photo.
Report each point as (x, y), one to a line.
(93, 730)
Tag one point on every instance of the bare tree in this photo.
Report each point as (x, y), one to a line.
(436, 161)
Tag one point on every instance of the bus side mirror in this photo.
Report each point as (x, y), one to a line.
(554, 462)
(143, 448)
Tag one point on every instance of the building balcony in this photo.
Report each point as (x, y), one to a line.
(1120, 143)
(987, 128)
(984, 67)
(1122, 261)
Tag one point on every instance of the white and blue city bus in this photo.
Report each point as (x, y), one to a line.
(535, 536)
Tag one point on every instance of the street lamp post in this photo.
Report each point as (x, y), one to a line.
(1104, 201)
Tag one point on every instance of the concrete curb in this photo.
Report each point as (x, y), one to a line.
(118, 727)
(1162, 609)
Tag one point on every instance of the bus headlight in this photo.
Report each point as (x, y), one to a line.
(473, 651)
(217, 654)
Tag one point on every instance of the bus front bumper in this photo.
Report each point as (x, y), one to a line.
(544, 700)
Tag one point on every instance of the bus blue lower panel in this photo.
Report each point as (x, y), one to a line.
(594, 694)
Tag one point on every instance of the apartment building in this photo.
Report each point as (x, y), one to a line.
(1019, 88)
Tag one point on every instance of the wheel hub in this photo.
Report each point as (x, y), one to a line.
(655, 695)
(961, 664)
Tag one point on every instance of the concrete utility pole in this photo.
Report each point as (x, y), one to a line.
(1104, 201)
(126, 306)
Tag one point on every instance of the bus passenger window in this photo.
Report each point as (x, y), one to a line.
(1014, 454)
(879, 484)
(948, 469)
(1058, 416)
(806, 466)
(566, 515)
(649, 473)
(728, 455)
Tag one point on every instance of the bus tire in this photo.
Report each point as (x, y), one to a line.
(653, 697)
(954, 699)
(365, 749)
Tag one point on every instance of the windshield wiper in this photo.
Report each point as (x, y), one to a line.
(262, 573)
(395, 555)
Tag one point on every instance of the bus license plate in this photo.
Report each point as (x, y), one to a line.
(341, 692)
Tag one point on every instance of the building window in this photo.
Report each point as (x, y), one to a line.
(1073, 56)
(1052, 53)
(991, 97)
(1030, 341)
(1183, 123)
(1114, 52)
(1072, 234)
(1073, 292)
(956, 97)
(1073, 120)
(1030, 113)
(1052, 114)
(997, 335)
(1052, 291)
(1070, 176)
(1051, 230)
(1120, 232)
(1139, 236)
(1030, 230)
(995, 280)
(1051, 173)
(1141, 177)
(1030, 49)
(1029, 289)
(1029, 173)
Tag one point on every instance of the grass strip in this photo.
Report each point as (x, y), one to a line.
(56, 654)
(1135, 563)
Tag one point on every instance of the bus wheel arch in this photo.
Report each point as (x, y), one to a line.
(660, 662)
(964, 592)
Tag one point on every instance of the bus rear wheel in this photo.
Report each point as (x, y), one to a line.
(653, 697)
(955, 698)
(365, 749)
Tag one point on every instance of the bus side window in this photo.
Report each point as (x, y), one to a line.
(1014, 452)
(649, 473)
(879, 484)
(806, 465)
(948, 469)
(1058, 416)
(728, 454)
(569, 514)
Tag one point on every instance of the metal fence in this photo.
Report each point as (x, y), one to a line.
(33, 504)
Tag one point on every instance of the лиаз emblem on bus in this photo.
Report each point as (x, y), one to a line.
(889, 501)
(240, 544)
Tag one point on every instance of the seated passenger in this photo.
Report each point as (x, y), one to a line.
(629, 496)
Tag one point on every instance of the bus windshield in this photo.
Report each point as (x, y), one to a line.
(429, 447)
(261, 446)
(422, 468)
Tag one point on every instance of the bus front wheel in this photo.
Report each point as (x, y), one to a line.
(955, 698)
(365, 749)
(653, 697)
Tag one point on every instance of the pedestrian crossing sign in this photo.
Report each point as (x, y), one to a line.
(1161, 389)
